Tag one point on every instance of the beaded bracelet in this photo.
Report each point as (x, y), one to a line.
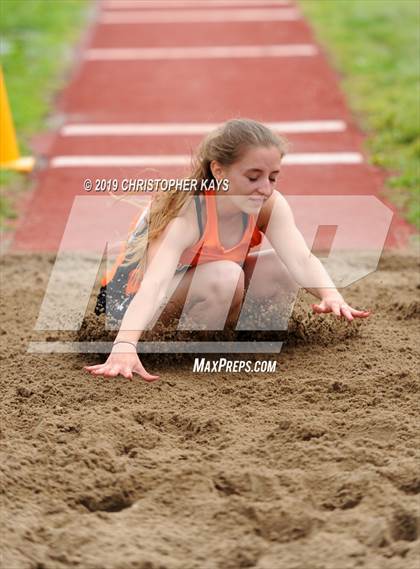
(125, 342)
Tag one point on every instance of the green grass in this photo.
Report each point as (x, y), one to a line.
(37, 37)
(375, 46)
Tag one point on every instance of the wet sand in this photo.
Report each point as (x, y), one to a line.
(315, 466)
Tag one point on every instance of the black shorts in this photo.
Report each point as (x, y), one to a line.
(112, 305)
(113, 301)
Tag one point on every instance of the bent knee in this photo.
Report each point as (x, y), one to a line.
(269, 278)
(227, 281)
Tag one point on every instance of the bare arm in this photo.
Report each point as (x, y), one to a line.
(305, 268)
(164, 254)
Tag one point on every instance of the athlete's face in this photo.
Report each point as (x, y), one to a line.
(252, 179)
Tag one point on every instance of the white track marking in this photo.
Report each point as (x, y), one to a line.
(210, 52)
(158, 129)
(113, 161)
(314, 158)
(308, 158)
(133, 4)
(204, 16)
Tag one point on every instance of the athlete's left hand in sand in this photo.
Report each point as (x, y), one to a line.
(339, 307)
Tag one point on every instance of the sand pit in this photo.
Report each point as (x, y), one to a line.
(312, 467)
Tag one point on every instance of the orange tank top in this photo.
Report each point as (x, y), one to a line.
(208, 248)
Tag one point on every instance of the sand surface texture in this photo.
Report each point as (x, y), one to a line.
(315, 466)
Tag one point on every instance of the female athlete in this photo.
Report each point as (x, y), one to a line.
(191, 254)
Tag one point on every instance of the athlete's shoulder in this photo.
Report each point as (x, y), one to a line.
(184, 225)
(188, 213)
(188, 209)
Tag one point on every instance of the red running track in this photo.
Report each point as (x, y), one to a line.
(268, 89)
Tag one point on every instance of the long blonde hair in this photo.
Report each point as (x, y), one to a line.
(226, 144)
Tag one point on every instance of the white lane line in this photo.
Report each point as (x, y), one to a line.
(205, 16)
(208, 52)
(112, 161)
(314, 158)
(323, 158)
(151, 129)
(132, 4)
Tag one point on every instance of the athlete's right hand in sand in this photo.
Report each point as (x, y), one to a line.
(123, 360)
